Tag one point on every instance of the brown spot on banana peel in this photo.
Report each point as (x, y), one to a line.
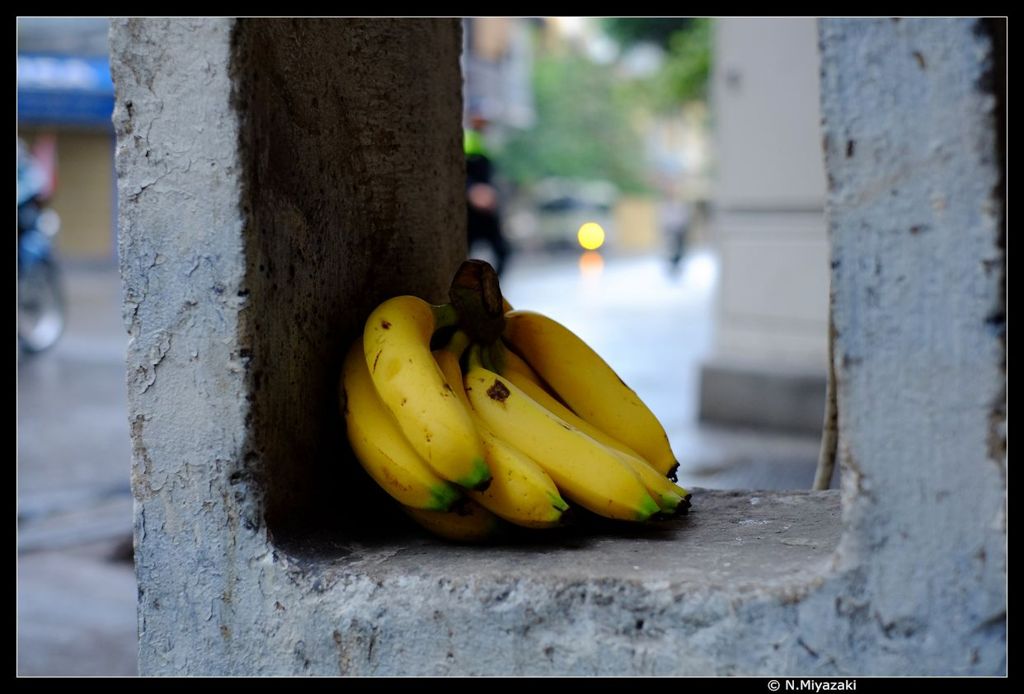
(384, 324)
(375, 360)
(498, 392)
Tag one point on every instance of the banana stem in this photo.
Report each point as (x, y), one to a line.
(477, 299)
(485, 358)
(458, 344)
(495, 355)
(445, 316)
(475, 357)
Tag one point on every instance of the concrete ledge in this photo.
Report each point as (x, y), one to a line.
(675, 598)
(730, 540)
(784, 398)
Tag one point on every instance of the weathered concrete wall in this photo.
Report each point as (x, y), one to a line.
(277, 180)
(916, 218)
(912, 581)
(183, 269)
(353, 192)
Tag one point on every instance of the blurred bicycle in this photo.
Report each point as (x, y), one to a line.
(41, 304)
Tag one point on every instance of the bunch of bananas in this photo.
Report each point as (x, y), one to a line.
(474, 416)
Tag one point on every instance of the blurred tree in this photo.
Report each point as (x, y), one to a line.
(586, 113)
(631, 31)
(583, 128)
(687, 43)
(684, 77)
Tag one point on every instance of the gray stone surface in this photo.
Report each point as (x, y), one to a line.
(916, 582)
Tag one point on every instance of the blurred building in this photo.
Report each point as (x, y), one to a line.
(770, 357)
(496, 63)
(66, 97)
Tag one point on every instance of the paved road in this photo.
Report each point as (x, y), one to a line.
(76, 606)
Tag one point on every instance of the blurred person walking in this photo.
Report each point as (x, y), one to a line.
(675, 216)
(483, 221)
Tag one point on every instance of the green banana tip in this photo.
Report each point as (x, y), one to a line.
(444, 497)
(558, 502)
(648, 508)
(682, 508)
(478, 480)
(670, 501)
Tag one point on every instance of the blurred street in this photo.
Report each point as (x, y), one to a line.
(76, 589)
(76, 594)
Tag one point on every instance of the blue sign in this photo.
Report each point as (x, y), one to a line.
(64, 90)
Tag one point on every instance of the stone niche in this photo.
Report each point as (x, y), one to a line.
(278, 178)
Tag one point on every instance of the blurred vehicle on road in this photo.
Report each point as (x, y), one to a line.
(562, 206)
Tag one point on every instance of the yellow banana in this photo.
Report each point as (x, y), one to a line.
(669, 497)
(507, 363)
(467, 522)
(585, 382)
(512, 367)
(520, 492)
(585, 471)
(396, 345)
(381, 448)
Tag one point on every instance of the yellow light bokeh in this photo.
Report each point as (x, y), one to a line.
(591, 236)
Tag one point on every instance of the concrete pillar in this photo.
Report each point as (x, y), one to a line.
(912, 113)
(278, 178)
(768, 364)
